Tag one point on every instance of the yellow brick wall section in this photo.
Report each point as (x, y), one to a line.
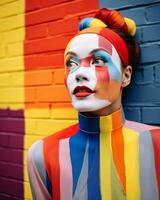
(43, 122)
(15, 49)
(2, 51)
(12, 33)
(2, 2)
(17, 33)
(11, 64)
(9, 9)
(10, 79)
(12, 22)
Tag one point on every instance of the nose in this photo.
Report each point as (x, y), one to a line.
(81, 77)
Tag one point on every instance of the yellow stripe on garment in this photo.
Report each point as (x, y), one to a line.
(131, 157)
(105, 158)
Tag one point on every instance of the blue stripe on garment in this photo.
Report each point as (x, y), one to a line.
(48, 184)
(93, 170)
(79, 142)
(89, 124)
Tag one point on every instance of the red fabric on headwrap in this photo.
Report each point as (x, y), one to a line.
(113, 19)
(117, 42)
(114, 38)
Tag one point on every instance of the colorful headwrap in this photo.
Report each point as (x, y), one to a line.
(104, 21)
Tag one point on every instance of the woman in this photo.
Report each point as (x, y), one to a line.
(104, 156)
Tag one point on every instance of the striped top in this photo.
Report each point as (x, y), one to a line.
(100, 158)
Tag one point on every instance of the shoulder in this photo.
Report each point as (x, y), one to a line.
(139, 127)
(38, 176)
(62, 134)
(146, 132)
(36, 161)
(51, 143)
(35, 153)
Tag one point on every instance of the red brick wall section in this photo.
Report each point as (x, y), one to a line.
(50, 24)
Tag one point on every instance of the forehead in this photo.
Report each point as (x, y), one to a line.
(84, 44)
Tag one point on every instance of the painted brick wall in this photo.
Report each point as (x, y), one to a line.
(11, 99)
(49, 26)
(33, 99)
(142, 98)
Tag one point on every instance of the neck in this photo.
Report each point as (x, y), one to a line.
(98, 124)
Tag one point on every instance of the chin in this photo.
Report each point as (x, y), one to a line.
(89, 104)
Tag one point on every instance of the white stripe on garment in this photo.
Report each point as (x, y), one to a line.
(147, 167)
(66, 180)
(81, 189)
(39, 189)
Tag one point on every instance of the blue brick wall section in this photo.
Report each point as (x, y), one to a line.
(141, 100)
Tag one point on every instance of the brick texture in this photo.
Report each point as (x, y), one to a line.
(33, 36)
(142, 98)
(49, 27)
(11, 153)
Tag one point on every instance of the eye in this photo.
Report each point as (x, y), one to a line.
(98, 61)
(71, 64)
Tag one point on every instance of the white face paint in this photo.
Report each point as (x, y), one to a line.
(82, 76)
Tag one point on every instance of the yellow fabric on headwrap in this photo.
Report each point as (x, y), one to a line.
(97, 23)
(131, 26)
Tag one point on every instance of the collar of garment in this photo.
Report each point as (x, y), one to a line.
(101, 124)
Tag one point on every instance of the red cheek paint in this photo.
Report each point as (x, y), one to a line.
(102, 74)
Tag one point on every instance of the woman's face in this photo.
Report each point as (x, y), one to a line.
(93, 72)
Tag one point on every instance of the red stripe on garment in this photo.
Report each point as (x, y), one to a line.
(156, 146)
(51, 157)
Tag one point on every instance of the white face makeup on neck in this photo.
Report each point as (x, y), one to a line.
(93, 72)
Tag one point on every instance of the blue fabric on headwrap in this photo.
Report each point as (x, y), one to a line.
(85, 23)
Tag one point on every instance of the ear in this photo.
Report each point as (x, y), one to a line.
(126, 76)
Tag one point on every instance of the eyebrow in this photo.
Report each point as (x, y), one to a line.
(71, 53)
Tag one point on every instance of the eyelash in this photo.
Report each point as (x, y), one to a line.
(99, 58)
(69, 62)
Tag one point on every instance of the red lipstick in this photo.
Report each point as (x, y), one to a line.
(82, 91)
